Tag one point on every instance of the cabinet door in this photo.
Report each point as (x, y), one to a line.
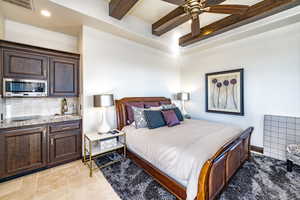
(23, 65)
(22, 150)
(65, 146)
(64, 77)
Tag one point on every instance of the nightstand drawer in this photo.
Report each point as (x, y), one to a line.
(65, 126)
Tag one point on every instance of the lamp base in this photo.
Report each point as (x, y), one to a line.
(104, 127)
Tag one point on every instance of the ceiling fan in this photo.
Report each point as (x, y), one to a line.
(195, 7)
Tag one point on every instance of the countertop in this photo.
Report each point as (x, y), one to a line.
(39, 120)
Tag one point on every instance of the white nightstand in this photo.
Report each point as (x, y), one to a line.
(97, 145)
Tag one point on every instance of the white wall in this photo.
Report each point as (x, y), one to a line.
(124, 68)
(27, 34)
(272, 77)
(1, 26)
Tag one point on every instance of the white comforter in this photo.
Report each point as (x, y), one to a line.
(180, 151)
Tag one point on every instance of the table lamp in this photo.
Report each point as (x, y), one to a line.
(103, 101)
(183, 96)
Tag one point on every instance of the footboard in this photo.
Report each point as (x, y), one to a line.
(218, 170)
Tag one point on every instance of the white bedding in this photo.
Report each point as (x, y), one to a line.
(181, 151)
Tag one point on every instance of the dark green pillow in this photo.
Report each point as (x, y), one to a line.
(154, 119)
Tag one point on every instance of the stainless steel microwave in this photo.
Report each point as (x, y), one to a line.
(24, 88)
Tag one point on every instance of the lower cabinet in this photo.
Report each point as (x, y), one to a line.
(65, 146)
(25, 149)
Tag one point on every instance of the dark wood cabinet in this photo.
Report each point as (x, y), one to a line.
(64, 146)
(23, 150)
(64, 77)
(24, 65)
(60, 69)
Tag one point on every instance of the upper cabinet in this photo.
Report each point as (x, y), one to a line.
(60, 69)
(64, 77)
(23, 65)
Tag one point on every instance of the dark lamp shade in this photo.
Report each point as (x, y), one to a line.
(183, 96)
(103, 100)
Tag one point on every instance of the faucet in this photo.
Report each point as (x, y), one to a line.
(64, 106)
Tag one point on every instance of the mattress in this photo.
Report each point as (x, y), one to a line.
(181, 151)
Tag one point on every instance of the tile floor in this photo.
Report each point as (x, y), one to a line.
(66, 182)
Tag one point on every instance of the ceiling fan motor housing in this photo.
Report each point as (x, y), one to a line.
(194, 7)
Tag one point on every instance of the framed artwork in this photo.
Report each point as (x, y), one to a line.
(225, 92)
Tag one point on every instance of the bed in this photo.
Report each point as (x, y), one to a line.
(183, 158)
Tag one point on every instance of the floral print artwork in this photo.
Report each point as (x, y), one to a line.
(224, 92)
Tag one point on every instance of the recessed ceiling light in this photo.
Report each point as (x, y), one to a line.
(46, 13)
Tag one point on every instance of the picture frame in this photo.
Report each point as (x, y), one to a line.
(225, 92)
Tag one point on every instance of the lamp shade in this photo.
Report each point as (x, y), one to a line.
(183, 96)
(103, 100)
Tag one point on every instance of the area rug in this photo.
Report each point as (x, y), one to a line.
(261, 178)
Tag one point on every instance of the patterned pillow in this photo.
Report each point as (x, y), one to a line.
(139, 117)
(129, 110)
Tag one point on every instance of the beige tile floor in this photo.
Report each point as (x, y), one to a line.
(66, 182)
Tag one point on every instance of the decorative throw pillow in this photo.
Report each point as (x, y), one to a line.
(139, 117)
(165, 102)
(129, 105)
(170, 117)
(168, 106)
(154, 119)
(151, 104)
(156, 108)
(176, 110)
(178, 113)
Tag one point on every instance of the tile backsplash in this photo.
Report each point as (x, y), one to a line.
(17, 107)
(280, 131)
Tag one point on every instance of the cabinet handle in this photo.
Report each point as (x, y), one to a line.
(44, 133)
(52, 141)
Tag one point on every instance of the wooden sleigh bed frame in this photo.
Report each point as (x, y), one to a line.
(215, 173)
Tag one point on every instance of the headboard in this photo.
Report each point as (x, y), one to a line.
(121, 107)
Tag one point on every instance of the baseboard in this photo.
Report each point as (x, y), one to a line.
(257, 149)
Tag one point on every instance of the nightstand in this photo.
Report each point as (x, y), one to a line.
(97, 145)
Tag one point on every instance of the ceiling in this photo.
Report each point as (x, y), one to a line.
(68, 17)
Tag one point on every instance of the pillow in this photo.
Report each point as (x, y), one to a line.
(164, 102)
(151, 104)
(139, 117)
(129, 105)
(156, 108)
(170, 117)
(169, 106)
(177, 112)
(154, 118)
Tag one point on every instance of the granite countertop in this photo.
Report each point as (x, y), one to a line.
(39, 120)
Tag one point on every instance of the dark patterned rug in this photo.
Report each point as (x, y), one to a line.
(262, 178)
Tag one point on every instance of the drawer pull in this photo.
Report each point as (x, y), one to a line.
(52, 141)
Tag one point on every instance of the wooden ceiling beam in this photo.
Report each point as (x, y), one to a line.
(258, 11)
(175, 18)
(170, 21)
(176, 2)
(119, 8)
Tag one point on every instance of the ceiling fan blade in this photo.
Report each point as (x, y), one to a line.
(176, 2)
(195, 26)
(227, 9)
(175, 18)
